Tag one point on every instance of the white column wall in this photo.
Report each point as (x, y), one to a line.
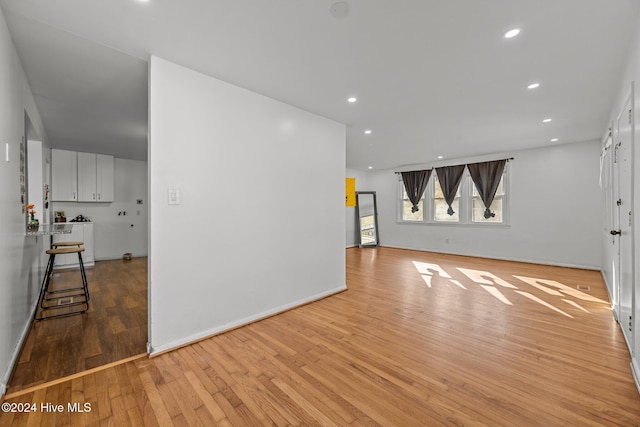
(260, 225)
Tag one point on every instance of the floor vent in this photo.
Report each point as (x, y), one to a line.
(583, 287)
(64, 301)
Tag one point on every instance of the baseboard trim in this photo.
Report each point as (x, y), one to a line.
(635, 370)
(16, 351)
(174, 345)
(527, 261)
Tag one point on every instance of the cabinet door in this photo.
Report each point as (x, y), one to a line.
(87, 177)
(105, 177)
(64, 176)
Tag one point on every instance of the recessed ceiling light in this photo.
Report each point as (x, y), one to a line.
(370, 167)
(512, 33)
(352, 99)
(440, 157)
(368, 131)
(554, 139)
(533, 86)
(546, 120)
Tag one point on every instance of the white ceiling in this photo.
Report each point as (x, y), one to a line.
(432, 77)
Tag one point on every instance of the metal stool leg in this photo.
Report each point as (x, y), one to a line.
(47, 295)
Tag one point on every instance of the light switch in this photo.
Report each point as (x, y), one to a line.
(173, 196)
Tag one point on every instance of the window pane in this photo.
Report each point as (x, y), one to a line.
(478, 210)
(407, 215)
(440, 208)
(499, 191)
(437, 191)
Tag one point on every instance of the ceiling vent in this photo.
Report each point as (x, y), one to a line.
(339, 9)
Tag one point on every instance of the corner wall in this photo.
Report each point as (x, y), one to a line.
(260, 225)
(555, 212)
(20, 266)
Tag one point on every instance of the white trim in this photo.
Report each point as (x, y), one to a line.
(16, 351)
(528, 261)
(635, 370)
(606, 285)
(241, 322)
(351, 246)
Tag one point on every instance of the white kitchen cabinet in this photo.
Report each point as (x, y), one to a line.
(64, 176)
(87, 177)
(104, 177)
(81, 232)
(93, 179)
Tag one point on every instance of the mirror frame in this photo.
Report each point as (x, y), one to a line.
(375, 219)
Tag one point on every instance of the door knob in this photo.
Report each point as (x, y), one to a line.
(614, 232)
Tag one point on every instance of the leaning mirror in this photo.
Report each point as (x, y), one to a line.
(366, 219)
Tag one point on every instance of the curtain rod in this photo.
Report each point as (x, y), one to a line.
(470, 163)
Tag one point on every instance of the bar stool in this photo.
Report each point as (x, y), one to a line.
(66, 297)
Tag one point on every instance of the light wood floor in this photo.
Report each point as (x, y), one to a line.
(414, 342)
(114, 327)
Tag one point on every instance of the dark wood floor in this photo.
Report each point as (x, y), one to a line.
(418, 339)
(114, 327)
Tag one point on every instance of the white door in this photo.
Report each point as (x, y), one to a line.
(622, 232)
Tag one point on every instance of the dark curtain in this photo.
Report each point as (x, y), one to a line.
(415, 183)
(450, 177)
(486, 176)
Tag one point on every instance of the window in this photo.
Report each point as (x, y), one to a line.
(407, 215)
(496, 205)
(440, 206)
(468, 207)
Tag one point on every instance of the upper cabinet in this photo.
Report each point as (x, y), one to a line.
(104, 178)
(64, 176)
(88, 177)
(95, 177)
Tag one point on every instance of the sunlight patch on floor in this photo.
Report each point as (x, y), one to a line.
(496, 293)
(485, 278)
(576, 305)
(491, 283)
(542, 283)
(430, 269)
(544, 303)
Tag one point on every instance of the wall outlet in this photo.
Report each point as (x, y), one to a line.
(139, 201)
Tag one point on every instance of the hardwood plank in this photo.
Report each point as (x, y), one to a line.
(114, 327)
(395, 349)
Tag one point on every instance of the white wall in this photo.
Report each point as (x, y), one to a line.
(260, 225)
(20, 266)
(632, 76)
(555, 212)
(116, 234)
(350, 217)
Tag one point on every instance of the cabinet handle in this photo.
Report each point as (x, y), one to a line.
(98, 196)
(94, 196)
(74, 195)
